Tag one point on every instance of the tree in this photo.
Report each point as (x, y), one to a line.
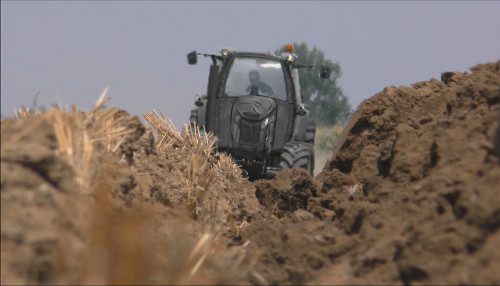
(322, 97)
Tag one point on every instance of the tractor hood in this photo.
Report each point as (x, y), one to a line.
(255, 107)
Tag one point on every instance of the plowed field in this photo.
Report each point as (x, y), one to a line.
(411, 195)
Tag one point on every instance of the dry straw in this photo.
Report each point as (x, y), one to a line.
(201, 167)
(77, 133)
(203, 171)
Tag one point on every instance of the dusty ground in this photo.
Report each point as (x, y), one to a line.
(410, 196)
(320, 158)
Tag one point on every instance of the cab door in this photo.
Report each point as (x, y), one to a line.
(285, 114)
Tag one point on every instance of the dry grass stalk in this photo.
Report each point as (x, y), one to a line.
(198, 172)
(202, 165)
(77, 132)
(351, 190)
(209, 249)
(200, 252)
(25, 112)
(226, 165)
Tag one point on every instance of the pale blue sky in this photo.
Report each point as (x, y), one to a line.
(73, 50)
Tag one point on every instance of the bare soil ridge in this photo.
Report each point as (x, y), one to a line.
(412, 193)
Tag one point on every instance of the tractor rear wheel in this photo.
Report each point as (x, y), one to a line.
(298, 154)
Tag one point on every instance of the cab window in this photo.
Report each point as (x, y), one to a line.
(251, 76)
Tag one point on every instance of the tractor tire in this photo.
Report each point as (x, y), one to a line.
(298, 154)
(310, 132)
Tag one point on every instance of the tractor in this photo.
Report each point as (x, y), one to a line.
(253, 106)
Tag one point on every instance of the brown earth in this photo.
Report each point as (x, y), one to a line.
(410, 196)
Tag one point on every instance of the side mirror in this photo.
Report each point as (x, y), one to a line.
(325, 72)
(192, 58)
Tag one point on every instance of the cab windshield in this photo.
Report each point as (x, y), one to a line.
(256, 76)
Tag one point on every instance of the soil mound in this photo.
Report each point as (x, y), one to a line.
(412, 192)
(427, 205)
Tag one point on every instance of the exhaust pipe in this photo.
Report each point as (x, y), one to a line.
(213, 79)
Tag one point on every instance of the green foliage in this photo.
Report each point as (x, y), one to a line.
(327, 138)
(322, 97)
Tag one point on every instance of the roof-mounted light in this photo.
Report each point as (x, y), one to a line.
(290, 58)
(224, 52)
(289, 48)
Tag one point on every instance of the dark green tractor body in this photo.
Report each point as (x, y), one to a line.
(254, 108)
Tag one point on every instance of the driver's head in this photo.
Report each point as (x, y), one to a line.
(254, 78)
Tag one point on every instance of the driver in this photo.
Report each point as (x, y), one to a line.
(258, 87)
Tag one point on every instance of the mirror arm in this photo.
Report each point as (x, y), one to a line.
(328, 71)
(303, 66)
(213, 57)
